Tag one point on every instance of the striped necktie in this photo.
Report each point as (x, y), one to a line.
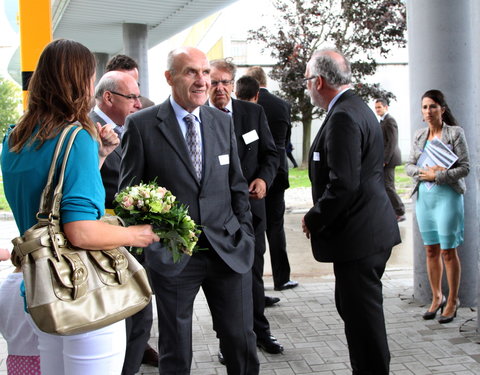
(193, 143)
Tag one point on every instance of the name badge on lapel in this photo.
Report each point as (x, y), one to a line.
(224, 159)
(316, 156)
(250, 137)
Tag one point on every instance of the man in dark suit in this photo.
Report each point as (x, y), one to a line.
(204, 174)
(278, 117)
(352, 223)
(116, 96)
(259, 161)
(392, 156)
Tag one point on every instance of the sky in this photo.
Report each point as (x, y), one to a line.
(9, 39)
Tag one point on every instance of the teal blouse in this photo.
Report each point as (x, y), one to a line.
(25, 175)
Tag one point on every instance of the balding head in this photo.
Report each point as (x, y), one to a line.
(117, 95)
(188, 73)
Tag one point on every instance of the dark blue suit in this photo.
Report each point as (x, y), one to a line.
(352, 224)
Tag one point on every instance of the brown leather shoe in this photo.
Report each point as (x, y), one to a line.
(150, 357)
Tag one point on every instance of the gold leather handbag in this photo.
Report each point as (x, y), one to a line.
(71, 290)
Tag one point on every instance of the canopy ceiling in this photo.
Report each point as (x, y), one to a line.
(98, 23)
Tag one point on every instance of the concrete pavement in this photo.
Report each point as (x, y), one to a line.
(307, 324)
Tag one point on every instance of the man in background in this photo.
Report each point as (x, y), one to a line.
(278, 117)
(259, 160)
(126, 64)
(392, 155)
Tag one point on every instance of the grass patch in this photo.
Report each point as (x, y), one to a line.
(3, 201)
(298, 177)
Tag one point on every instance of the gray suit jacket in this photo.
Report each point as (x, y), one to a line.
(155, 148)
(452, 136)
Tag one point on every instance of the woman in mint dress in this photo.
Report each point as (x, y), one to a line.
(439, 208)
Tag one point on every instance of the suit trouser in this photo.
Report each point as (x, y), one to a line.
(398, 206)
(138, 332)
(275, 208)
(229, 297)
(261, 326)
(359, 301)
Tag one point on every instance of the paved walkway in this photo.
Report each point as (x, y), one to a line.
(307, 324)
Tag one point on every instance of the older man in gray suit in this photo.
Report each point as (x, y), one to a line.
(191, 150)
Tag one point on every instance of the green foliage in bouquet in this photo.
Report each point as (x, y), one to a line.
(155, 205)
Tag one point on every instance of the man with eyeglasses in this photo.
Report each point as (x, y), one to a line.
(259, 160)
(117, 95)
(352, 223)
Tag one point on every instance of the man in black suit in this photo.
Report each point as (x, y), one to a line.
(352, 223)
(205, 175)
(116, 96)
(278, 117)
(392, 155)
(259, 161)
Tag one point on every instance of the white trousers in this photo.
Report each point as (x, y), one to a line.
(99, 352)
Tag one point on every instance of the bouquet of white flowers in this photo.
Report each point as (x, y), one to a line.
(155, 205)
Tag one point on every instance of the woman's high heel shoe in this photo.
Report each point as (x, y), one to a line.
(448, 318)
(429, 315)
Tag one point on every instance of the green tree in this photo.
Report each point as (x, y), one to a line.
(361, 29)
(10, 100)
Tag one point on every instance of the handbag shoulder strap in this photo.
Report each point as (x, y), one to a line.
(48, 203)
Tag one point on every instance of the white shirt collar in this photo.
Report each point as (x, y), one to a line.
(229, 106)
(103, 116)
(180, 112)
(335, 98)
(383, 117)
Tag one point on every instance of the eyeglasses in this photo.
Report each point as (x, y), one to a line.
(305, 80)
(224, 82)
(131, 96)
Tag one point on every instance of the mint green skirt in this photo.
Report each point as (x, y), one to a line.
(440, 216)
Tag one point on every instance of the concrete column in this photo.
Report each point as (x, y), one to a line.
(475, 20)
(102, 60)
(135, 45)
(441, 56)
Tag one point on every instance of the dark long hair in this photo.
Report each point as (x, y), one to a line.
(438, 97)
(59, 93)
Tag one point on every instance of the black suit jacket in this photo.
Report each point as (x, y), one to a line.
(155, 148)
(259, 158)
(110, 170)
(278, 114)
(352, 216)
(392, 155)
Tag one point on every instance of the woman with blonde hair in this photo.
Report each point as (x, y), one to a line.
(60, 93)
(439, 209)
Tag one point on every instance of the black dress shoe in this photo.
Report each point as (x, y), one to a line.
(432, 314)
(270, 301)
(270, 344)
(288, 285)
(220, 357)
(150, 357)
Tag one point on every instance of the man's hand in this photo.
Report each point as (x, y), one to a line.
(109, 140)
(257, 189)
(305, 229)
